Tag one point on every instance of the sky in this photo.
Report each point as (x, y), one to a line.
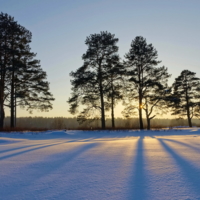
(60, 27)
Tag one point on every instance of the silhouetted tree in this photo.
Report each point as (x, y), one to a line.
(21, 75)
(32, 89)
(115, 73)
(89, 80)
(4, 61)
(18, 47)
(140, 60)
(186, 93)
(157, 94)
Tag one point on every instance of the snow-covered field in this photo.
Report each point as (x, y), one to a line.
(112, 165)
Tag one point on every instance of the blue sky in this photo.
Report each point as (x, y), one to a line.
(60, 27)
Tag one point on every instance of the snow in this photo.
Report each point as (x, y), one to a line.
(141, 165)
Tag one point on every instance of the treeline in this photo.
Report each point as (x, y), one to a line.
(104, 79)
(71, 123)
(99, 84)
(22, 81)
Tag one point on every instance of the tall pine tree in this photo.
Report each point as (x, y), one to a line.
(157, 94)
(114, 87)
(89, 81)
(140, 60)
(186, 93)
(21, 75)
(5, 61)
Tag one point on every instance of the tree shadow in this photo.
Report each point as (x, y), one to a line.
(18, 148)
(183, 144)
(69, 155)
(138, 183)
(35, 172)
(190, 172)
(39, 146)
(29, 150)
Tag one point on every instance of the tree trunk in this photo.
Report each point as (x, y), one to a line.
(112, 107)
(103, 123)
(189, 120)
(148, 124)
(140, 78)
(4, 63)
(140, 119)
(2, 115)
(12, 106)
(112, 113)
(140, 111)
(148, 120)
(15, 117)
(188, 116)
(188, 110)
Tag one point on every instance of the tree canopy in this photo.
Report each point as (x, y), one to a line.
(89, 82)
(140, 65)
(186, 96)
(23, 82)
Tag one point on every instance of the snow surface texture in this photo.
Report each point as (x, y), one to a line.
(73, 165)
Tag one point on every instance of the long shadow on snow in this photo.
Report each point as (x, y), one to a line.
(67, 156)
(53, 164)
(29, 150)
(18, 148)
(190, 172)
(183, 144)
(138, 184)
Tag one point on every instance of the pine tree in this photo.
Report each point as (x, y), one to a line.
(32, 89)
(88, 83)
(140, 60)
(157, 94)
(186, 93)
(114, 89)
(5, 61)
(21, 75)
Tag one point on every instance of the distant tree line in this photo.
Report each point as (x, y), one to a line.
(104, 79)
(22, 81)
(29, 123)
